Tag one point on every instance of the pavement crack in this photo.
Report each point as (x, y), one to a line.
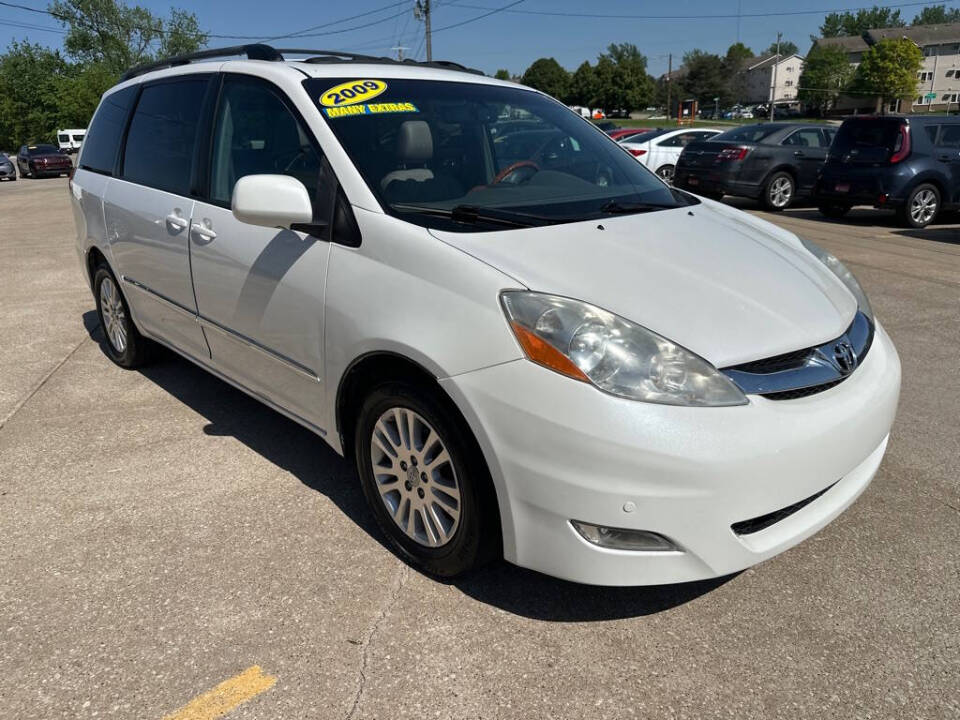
(43, 381)
(374, 627)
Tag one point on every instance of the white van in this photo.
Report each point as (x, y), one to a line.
(529, 345)
(69, 141)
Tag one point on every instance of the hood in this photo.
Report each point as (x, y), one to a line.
(728, 286)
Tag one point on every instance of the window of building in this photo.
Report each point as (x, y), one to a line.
(925, 76)
(788, 83)
(950, 73)
(929, 50)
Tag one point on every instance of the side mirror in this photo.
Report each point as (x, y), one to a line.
(277, 201)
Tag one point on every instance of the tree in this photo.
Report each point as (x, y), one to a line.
(121, 36)
(705, 78)
(786, 48)
(848, 23)
(547, 75)
(826, 73)
(936, 15)
(502, 74)
(621, 78)
(583, 86)
(30, 78)
(734, 64)
(889, 69)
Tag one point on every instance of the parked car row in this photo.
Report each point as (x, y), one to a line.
(660, 149)
(33, 161)
(907, 164)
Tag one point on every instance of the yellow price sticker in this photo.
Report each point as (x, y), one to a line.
(352, 92)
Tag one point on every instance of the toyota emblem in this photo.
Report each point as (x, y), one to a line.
(844, 357)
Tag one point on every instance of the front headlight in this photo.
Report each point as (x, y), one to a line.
(842, 272)
(592, 345)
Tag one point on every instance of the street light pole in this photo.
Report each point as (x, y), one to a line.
(773, 90)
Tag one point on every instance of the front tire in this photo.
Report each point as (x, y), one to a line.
(778, 191)
(425, 480)
(922, 206)
(125, 345)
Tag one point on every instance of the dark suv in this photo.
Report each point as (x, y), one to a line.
(771, 162)
(910, 165)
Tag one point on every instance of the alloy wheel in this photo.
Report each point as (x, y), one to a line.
(666, 173)
(415, 477)
(114, 316)
(923, 207)
(781, 192)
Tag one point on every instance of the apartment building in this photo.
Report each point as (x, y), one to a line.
(758, 78)
(938, 81)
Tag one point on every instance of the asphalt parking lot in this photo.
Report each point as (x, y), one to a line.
(162, 533)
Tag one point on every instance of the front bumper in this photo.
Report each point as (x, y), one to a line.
(560, 450)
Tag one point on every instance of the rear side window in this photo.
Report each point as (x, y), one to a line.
(808, 137)
(748, 133)
(949, 136)
(100, 149)
(163, 134)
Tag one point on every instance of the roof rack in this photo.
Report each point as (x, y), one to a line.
(259, 51)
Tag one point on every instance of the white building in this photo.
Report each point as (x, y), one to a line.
(758, 78)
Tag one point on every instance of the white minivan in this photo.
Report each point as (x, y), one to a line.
(531, 347)
(69, 141)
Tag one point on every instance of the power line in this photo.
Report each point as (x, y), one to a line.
(492, 11)
(29, 26)
(296, 34)
(725, 16)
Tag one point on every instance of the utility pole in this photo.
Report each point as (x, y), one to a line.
(399, 50)
(773, 90)
(422, 12)
(669, 80)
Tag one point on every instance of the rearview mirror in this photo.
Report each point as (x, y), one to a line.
(277, 201)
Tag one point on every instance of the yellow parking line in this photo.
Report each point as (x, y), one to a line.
(226, 696)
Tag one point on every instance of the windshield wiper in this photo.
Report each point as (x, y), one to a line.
(471, 214)
(615, 208)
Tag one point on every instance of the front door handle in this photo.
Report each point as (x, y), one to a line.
(798, 153)
(203, 231)
(176, 221)
(946, 157)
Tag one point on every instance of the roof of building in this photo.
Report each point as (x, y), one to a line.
(761, 60)
(920, 34)
(850, 43)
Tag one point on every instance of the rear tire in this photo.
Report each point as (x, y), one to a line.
(921, 208)
(778, 191)
(439, 514)
(665, 173)
(835, 211)
(124, 343)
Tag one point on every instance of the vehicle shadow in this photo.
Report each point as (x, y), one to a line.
(230, 412)
(949, 235)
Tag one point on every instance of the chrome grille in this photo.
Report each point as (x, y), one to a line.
(800, 373)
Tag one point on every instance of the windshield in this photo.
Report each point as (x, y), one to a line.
(747, 133)
(43, 150)
(432, 150)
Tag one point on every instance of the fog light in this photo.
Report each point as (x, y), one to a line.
(623, 539)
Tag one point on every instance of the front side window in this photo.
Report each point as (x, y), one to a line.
(492, 156)
(255, 133)
(163, 134)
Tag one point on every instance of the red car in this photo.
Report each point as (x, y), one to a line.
(37, 160)
(623, 132)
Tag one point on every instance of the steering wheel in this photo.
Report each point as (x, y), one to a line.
(518, 172)
(295, 155)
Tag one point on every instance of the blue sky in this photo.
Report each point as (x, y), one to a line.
(510, 39)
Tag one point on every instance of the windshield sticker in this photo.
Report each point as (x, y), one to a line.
(352, 92)
(371, 109)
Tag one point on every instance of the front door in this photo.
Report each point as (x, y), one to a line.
(260, 290)
(147, 210)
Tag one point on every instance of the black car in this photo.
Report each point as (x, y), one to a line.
(910, 165)
(39, 160)
(7, 171)
(771, 162)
